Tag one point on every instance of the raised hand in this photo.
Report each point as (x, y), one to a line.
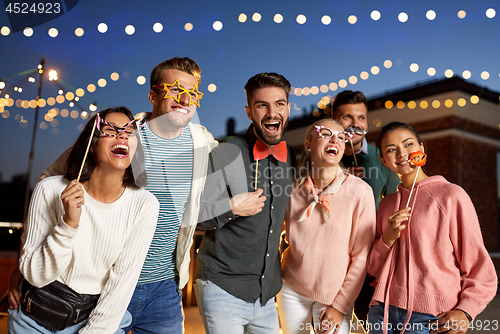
(72, 198)
(395, 226)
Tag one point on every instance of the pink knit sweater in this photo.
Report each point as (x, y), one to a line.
(327, 261)
(439, 263)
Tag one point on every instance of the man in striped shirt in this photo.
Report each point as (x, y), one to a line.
(176, 157)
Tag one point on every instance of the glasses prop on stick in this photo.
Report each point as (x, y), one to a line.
(355, 130)
(418, 158)
(87, 150)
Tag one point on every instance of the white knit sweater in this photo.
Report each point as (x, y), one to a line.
(104, 255)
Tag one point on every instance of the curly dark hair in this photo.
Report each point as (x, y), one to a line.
(75, 158)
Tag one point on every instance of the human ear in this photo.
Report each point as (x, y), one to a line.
(307, 145)
(249, 112)
(382, 159)
(152, 97)
(422, 147)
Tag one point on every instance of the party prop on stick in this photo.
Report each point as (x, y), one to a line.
(87, 150)
(356, 130)
(256, 169)
(418, 158)
(354, 153)
(262, 151)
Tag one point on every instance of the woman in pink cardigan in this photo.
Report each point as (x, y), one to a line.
(429, 258)
(330, 228)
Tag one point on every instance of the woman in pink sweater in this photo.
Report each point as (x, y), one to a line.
(429, 259)
(330, 228)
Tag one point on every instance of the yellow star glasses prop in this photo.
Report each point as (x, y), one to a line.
(175, 91)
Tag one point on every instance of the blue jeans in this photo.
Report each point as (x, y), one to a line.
(19, 322)
(223, 313)
(418, 324)
(156, 308)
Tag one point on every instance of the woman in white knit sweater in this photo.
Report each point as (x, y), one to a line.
(330, 228)
(91, 235)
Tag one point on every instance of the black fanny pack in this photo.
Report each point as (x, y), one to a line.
(56, 306)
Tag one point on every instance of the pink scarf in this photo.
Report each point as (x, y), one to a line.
(322, 198)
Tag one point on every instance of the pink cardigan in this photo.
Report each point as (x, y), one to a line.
(439, 263)
(327, 261)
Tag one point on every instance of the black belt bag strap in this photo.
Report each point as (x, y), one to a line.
(56, 306)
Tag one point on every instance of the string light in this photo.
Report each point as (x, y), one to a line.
(278, 18)
(256, 17)
(388, 104)
(79, 32)
(53, 75)
(375, 15)
(242, 17)
(403, 17)
(130, 29)
(102, 28)
(157, 27)
(217, 25)
(326, 20)
(431, 15)
(301, 19)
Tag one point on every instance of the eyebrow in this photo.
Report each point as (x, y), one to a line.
(266, 102)
(395, 144)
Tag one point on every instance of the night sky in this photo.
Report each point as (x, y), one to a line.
(312, 55)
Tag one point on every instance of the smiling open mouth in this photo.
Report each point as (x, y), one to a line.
(272, 126)
(120, 150)
(332, 150)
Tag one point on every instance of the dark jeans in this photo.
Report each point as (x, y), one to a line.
(418, 324)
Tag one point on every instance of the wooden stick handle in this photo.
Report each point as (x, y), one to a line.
(256, 170)
(354, 154)
(413, 185)
(87, 150)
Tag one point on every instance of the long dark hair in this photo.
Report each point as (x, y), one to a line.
(77, 153)
(394, 126)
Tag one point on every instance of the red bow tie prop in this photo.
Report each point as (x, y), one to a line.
(262, 151)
